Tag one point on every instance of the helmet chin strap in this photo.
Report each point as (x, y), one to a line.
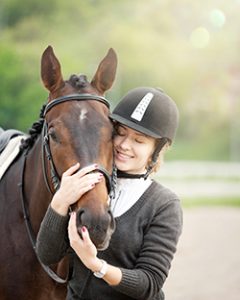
(122, 174)
(160, 145)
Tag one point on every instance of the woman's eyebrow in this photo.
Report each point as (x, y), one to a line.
(141, 134)
(135, 131)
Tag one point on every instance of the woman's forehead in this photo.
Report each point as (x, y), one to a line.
(133, 131)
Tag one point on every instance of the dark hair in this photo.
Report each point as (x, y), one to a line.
(78, 81)
(34, 132)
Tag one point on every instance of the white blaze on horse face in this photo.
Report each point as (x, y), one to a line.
(83, 114)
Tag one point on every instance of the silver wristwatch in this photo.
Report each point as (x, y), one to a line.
(102, 271)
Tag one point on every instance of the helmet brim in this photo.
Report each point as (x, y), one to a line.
(134, 126)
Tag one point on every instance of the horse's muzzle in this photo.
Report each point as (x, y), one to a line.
(100, 227)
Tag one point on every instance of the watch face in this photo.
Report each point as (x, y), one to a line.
(103, 270)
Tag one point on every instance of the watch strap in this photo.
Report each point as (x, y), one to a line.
(103, 270)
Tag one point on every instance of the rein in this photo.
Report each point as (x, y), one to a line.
(110, 179)
(29, 228)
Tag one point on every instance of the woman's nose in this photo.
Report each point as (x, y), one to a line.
(125, 143)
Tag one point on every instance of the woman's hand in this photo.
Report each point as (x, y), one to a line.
(87, 252)
(84, 247)
(73, 186)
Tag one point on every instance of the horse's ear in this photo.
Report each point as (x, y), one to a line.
(51, 70)
(105, 74)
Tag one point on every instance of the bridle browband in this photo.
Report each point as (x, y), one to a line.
(75, 97)
(110, 179)
(46, 148)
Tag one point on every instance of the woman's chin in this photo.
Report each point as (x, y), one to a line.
(121, 166)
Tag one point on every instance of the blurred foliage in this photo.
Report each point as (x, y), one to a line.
(211, 202)
(157, 44)
(18, 93)
(14, 11)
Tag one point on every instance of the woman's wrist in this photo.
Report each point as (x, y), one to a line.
(101, 269)
(59, 206)
(95, 265)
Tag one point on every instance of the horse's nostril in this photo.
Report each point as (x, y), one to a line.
(80, 217)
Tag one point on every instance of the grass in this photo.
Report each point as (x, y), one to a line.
(214, 201)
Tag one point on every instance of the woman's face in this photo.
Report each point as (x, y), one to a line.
(132, 150)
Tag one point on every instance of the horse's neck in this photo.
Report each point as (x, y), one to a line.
(36, 193)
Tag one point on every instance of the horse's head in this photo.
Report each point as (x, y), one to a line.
(77, 129)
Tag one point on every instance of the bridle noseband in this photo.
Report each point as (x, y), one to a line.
(46, 148)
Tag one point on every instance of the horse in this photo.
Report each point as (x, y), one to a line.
(74, 126)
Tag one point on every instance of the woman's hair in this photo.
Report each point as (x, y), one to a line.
(160, 159)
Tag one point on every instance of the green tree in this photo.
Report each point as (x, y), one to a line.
(13, 11)
(20, 94)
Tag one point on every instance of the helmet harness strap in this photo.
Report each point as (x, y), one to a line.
(162, 142)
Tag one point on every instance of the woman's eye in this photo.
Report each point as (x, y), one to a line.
(120, 132)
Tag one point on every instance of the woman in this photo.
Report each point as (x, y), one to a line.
(148, 216)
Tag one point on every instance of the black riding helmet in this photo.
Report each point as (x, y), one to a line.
(149, 111)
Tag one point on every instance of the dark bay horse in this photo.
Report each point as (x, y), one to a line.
(74, 127)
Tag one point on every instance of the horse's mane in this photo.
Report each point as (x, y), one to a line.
(78, 81)
(33, 132)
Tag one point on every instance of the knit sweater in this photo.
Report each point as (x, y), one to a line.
(142, 246)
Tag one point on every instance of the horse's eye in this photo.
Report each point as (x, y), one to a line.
(53, 135)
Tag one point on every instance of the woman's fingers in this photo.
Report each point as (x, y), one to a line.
(83, 171)
(71, 170)
(72, 188)
(75, 184)
(84, 189)
(88, 181)
(73, 233)
(86, 170)
(83, 246)
(96, 176)
(85, 235)
(72, 229)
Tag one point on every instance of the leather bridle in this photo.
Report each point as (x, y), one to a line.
(110, 179)
(55, 179)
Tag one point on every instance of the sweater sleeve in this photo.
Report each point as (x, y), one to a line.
(52, 243)
(159, 245)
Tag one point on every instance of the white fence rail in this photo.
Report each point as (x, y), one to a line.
(201, 179)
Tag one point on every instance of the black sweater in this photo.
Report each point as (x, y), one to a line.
(143, 246)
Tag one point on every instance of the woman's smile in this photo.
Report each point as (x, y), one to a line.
(122, 156)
